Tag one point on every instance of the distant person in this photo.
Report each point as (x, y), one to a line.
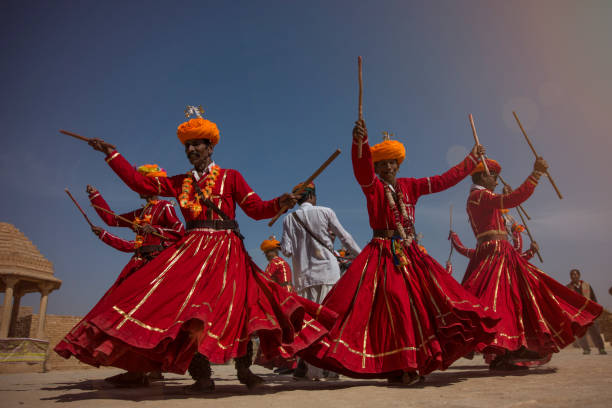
(586, 290)
(307, 240)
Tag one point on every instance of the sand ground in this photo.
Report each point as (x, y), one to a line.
(569, 380)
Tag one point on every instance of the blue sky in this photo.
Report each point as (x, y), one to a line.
(279, 79)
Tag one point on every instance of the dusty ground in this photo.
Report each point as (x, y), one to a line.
(569, 380)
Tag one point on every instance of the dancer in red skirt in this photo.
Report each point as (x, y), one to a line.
(155, 216)
(400, 313)
(203, 294)
(280, 272)
(539, 315)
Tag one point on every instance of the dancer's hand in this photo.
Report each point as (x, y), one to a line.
(360, 131)
(287, 200)
(540, 165)
(101, 146)
(478, 150)
(91, 189)
(147, 229)
(534, 247)
(97, 230)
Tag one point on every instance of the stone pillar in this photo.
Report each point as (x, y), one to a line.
(15, 314)
(10, 282)
(45, 289)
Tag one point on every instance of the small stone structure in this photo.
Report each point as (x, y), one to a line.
(23, 269)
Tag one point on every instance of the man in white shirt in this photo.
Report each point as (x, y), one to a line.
(306, 239)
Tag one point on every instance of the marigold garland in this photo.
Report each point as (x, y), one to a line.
(187, 189)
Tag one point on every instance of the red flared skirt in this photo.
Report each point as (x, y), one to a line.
(399, 318)
(202, 294)
(538, 313)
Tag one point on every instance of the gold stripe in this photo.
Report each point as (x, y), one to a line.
(108, 160)
(245, 197)
(127, 317)
(222, 186)
(354, 299)
(156, 282)
(229, 250)
(499, 274)
(389, 307)
(197, 279)
(367, 327)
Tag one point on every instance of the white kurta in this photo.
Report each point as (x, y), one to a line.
(314, 264)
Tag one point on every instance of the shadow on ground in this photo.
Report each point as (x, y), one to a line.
(176, 389)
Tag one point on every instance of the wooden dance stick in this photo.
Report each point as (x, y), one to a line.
(79, 207)
(529, 233)
(77, 136)
(134, 224)
(520, 207)
(484, 161)
(359, 147)
(536, 154)
(308, 181)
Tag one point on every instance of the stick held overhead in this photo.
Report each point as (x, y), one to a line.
(305, 183)
(536, 154)
(126, 220)
(482, 158)
(360, 111)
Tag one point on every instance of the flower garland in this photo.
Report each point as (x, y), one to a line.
(399, 216)
(146, 219)
(187, 189)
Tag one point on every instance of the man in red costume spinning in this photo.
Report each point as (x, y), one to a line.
(203, 294)
(539, 315)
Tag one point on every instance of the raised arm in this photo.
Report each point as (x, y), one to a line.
(250, 202)
(96, 199)
(521, 194)
(114, 241)
(456, 242)
(162, 186)
(363, 168)
(435, 184)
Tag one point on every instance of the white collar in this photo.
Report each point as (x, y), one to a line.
(306, 204)
(477, 187)
(196, 175)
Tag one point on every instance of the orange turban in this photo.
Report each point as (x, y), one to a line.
(387, 150)
(423, 250)
(270, 244)
(493, 165)
(198, 128)
(152, 170)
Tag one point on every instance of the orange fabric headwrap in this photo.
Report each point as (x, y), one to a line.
(198, 128)
(269, 244)
(152, 170)
(387, 150)
(493, 165)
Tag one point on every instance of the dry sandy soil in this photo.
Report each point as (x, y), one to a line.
(569, 380)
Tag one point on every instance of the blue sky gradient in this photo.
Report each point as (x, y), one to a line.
(279, 79)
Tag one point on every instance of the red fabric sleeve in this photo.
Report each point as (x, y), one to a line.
(456, 242)
(435, 184)
(117, 243)
(174, 229)
(111, 221)
(250, 202)
(163, 186)
(511, 200)
(363, 168)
